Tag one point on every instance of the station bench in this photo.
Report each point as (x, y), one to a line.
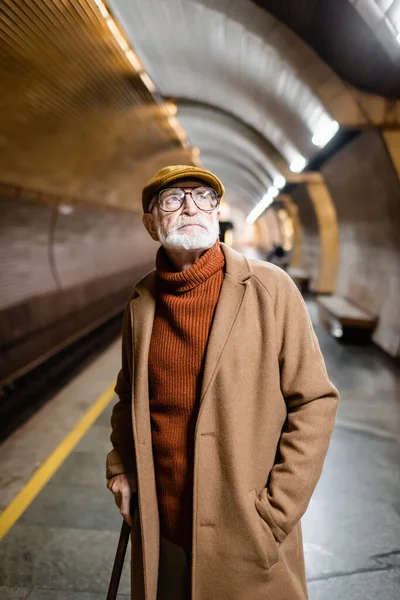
(345, 320)
(300, 277)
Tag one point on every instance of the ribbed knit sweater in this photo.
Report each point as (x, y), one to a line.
(185, 306)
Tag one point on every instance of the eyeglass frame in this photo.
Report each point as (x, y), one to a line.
(189, 193)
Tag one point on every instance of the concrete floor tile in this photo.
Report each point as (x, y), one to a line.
(104, 418)
(18, 555)
(378, 585)
(82, 469)
(98, 438)
(39, 594)
(352, 516)
(79, 561)
(348, 536)
(74, 507)
(62, 559)
(13, 593)
(27, 448)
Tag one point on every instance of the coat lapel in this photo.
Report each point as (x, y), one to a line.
(142, 318)
(230, 299)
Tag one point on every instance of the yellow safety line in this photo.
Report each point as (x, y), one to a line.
(37, 482)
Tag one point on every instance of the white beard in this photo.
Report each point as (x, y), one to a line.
(184, 240)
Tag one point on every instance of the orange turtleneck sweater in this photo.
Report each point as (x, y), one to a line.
(186, 302)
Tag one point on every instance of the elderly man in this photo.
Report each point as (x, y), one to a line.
(225, 410)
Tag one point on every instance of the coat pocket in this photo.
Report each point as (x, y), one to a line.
(269, 544)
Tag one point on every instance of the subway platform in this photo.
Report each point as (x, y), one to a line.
(62, 545)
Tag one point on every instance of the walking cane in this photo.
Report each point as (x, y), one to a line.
(121, 551)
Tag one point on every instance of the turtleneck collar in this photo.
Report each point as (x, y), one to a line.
(176, 282)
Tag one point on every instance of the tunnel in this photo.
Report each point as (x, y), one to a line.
(295, 108)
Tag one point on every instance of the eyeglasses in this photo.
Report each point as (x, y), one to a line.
(171, 199)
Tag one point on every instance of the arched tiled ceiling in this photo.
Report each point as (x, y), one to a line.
(238, 59)
(192, 51)
(236, 56)
(228, 145)
(77, 123)
(365, 53)
(243, 135)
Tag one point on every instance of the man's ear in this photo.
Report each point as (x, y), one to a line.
(148, 222)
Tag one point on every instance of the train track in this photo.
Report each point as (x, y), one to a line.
(24, 396)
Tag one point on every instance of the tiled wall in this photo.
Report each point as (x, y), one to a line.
(56, 266)
(366, 192)
(311, 242)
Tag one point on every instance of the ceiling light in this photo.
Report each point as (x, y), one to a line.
(102, 8)
(264, 203)
(279, 182)
(133, 59)
(65, 209)
(298, 164)
(148, 82)
(117, 34)
(398, 38)
(173, 121)
(170, 108)
(325, 133)
(259, 209)
(273, 191)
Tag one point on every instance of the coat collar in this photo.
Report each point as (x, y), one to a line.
(237, 267)
(236, 264)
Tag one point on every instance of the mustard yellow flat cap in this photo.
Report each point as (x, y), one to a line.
(167, 175)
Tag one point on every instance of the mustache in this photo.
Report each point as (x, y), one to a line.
(184, 220)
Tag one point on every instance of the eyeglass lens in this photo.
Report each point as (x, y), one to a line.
(172, 198)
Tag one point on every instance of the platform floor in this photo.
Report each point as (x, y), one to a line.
(62, 547)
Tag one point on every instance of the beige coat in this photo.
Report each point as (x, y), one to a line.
(266, 417)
